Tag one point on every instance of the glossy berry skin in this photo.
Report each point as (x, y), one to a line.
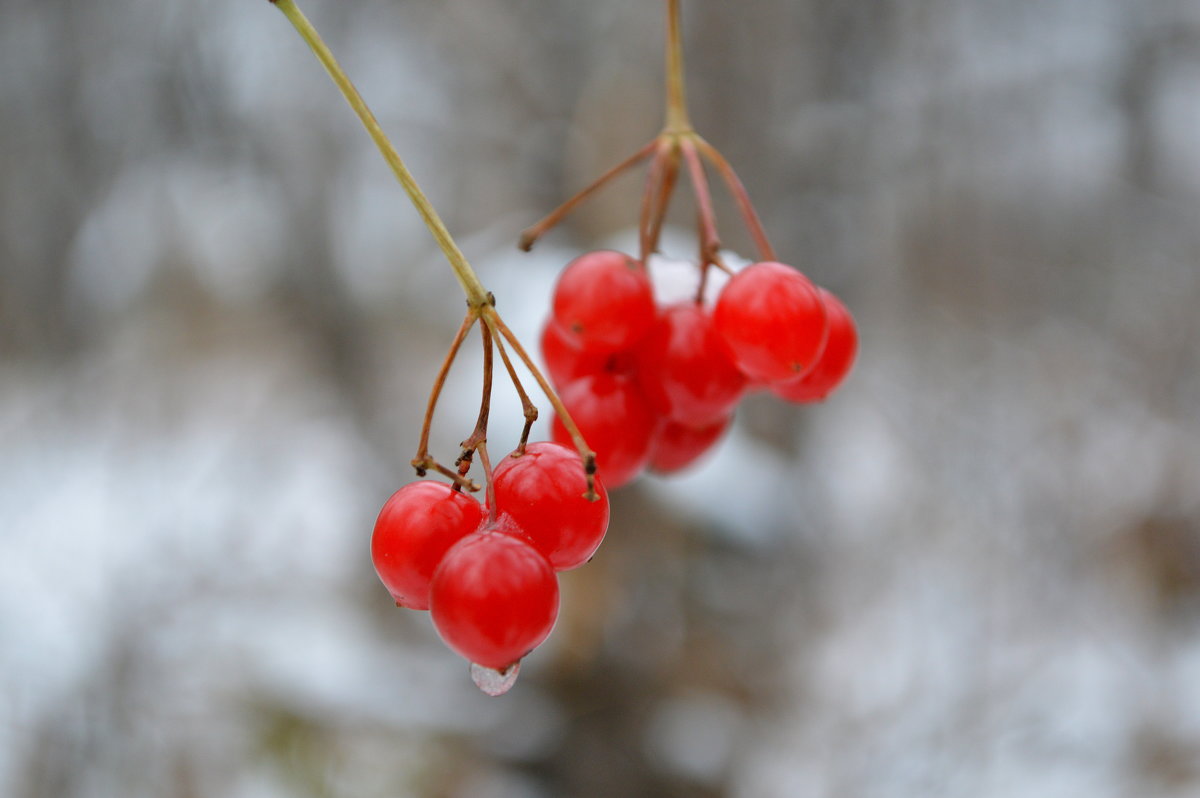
(834, 362)
(603, 302)
(494, 598)
(615, 419)
(773, 321)
(677, 446)
(685, 370)
(415, 529)
(564, 360)
(542, 491)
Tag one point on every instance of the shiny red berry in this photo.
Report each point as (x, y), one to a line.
(834, 362)
(565, 360)
(773, 321)
(685, 370)
(677, 446)
(603, 302)
(615, 419)
(542, 490)
(415, 528)
(494, 598)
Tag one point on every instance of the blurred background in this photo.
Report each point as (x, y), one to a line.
(975, 571)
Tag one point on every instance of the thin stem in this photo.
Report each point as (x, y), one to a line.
(531, 234)
(471, 286)
(710, 243)
(492, 318)
(423, 461)
(677, 114)
(487, 476)
(461, 483)
(653, 186)
(527, 406)
(740, 195)
(703, 283)
(479, 434)
(662, 202)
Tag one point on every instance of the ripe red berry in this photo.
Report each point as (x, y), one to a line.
(685, 370)
(835, 360)
(415, 528)
(773, 321)
(615, 419)
(677, 446)
(542, 490)
(494, 598)
(603, 301)
(564, 360)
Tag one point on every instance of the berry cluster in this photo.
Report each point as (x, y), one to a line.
(648, 384)
(486, 572)
(655, 386)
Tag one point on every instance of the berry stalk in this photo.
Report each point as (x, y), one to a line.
(491, 318)
(477, 295)
(480, 302)
(740, 195)
(710, 242)
(527, 407)
(531, 234)
(424, 461)
(677, 114)
(676, 147)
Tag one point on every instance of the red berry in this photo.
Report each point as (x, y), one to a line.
(685, 370)
(542, 490)
(603, 301)
(773, 321)
(677, 446)
(494, 598)
(834, 362)
(565, 361)
(415, 528)
(615, 419)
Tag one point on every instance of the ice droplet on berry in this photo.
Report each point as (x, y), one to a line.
(494, 682)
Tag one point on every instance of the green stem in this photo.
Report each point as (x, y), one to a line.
(677, 115)
(477, 295)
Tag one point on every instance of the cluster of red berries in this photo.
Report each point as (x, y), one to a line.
(655, 386)
(486, 572)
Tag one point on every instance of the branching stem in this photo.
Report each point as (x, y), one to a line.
(423, 461)
(710, 242)
(749, 215)
(479, 434)
(527, 407)
(531, 234)
(492, 319)
(480, 303)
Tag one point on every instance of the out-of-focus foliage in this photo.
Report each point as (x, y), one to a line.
(975, 571)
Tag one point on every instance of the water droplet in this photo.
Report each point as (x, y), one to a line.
(492, 681)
